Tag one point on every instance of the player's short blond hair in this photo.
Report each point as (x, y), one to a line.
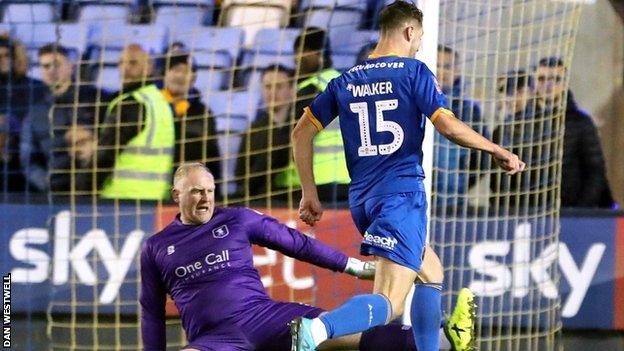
(185, 168)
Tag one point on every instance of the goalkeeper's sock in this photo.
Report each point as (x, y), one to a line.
(359, 313)
(426, 315)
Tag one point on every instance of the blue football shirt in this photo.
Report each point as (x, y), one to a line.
(381, 104)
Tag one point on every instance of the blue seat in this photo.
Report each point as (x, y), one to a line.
(107, 56)
(233, 110)
(106, 2)
(109, 15)
(254, 63)
(180, 16)
(151, 37)
(209, 3)
(351, 42)
(270, 46)
(72, 36)
(34, 71)
(211, 79)
(271, 40)
(344, 20)
(108, 78)
(222, 41)
(29, 13)
(211, 59)
(263, 60)
(359, 5)
(343, 62)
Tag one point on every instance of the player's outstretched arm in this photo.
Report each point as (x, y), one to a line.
(266, 231)
(461, 134)
(310, 209)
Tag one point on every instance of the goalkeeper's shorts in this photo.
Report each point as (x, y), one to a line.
(394, 227)
(264, 327)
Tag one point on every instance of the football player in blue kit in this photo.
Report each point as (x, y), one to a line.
(381, 104)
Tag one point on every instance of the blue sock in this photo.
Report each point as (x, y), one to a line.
(357, 314)
(426, 315)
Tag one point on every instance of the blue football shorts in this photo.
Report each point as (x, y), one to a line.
(394, 227)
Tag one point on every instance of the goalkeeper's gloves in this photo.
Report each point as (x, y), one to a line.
(360, 269)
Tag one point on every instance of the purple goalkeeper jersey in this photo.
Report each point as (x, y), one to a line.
(208, 271)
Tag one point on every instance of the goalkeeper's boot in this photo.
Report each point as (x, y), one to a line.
(459, 328)
(300, 330)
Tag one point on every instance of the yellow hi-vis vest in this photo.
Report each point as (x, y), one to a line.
(143, 168)
(329, 164)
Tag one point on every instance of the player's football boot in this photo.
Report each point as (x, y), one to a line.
(302, 335)
(459, 328)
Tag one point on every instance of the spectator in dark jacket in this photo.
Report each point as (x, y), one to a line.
(456, 167)
(196, 136)
(17, 93)
(528, 132)
(583, 180)
(47, 158)
(265, 148)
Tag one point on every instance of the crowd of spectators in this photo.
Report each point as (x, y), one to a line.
(64, 136)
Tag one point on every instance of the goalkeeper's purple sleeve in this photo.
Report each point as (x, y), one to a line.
(153, 299)
(268, 232)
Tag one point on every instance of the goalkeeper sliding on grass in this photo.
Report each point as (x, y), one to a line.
(203, 259)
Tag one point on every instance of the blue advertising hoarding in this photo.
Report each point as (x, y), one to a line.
(54, 254)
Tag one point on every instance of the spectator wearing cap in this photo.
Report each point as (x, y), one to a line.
(528, 132)
(583, 175)
(314, 72)
(195, 130)
(47, 158)
(265, 148)
(17, 93)
(136, 141)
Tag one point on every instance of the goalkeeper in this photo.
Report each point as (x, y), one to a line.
(203, 259)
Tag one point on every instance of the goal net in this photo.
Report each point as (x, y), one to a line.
(250, 78)
(504, 66)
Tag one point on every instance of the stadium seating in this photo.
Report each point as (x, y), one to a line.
(343, 62)
(254, 64)
(34, 71)
(29, 13)
(179, 16)
(343, 20)
(226, 41)
(151, 37)
(336, 14)
(269, 46)
(358, 5)
(73, 36)
(205, 8)
(350, 43)
(253, 16)
(234, 112)
(108, 2)
(211, 79)
(276, 41)
(108, 78)
(109, 15)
